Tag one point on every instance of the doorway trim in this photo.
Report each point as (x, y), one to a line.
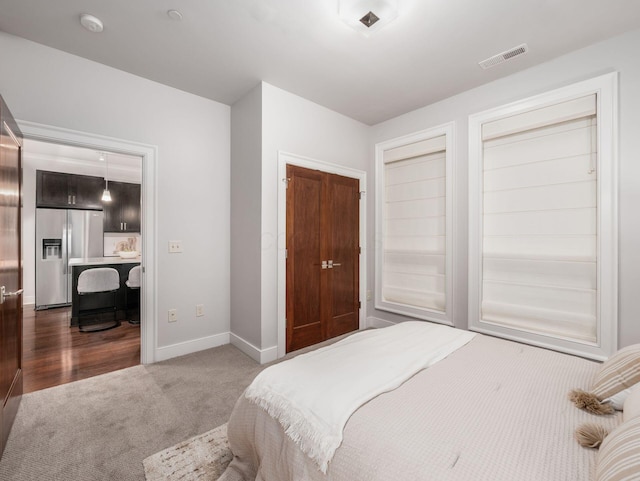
(149, 154)
(285, 158)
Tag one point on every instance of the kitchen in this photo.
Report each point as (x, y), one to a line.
(68, 228)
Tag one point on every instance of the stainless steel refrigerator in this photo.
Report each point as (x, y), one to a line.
(62, 235)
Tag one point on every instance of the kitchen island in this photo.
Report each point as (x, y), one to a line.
(123, 266)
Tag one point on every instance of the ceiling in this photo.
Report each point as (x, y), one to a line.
(90, 158)
(222, 48)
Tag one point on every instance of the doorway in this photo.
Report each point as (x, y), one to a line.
(359, 276)
(60, 229)
(148, 154)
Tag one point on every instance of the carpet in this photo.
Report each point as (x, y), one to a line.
(102, 428)
(203, 457)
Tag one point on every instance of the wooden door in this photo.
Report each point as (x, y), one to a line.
(322, 256)
(11, 272)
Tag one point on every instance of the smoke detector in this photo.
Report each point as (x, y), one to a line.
(91, 23)
(504, 56)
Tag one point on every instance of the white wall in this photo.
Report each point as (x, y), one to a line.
(274, 120)
(246, 199)
(192, 134)
(617, 54)
(298, 126)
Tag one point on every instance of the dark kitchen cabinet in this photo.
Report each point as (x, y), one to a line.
(68, 191)
(122, 214)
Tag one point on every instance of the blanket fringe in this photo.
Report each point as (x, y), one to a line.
(302, 430)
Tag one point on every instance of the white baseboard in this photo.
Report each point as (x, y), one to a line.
(28, 300)
(262, 356)
(187, 347)
(377, 323)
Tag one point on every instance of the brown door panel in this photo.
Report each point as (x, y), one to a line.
(11, 272)
(340, 325)
(345, 214)
(306, 336)
(322, 226)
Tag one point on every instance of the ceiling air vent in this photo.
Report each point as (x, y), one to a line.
(504, 56)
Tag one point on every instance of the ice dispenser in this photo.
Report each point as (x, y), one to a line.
(51, 249)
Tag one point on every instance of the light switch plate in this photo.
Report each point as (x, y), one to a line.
(175, 246)
(173, 315)
(199, 310)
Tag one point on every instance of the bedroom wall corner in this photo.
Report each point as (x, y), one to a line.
(303, 128)
(245, 231)
(261, 356)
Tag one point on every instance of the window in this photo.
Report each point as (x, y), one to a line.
(414, 222)
(543, 220)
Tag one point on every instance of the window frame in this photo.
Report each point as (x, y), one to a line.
(605, 88)
(446, 317)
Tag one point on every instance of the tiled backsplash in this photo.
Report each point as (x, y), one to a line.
(113, 243)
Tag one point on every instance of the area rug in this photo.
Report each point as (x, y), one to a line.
(205, 456)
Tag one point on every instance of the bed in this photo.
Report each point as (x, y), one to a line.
(492, 410)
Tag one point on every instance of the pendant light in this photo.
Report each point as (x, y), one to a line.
(106, 195)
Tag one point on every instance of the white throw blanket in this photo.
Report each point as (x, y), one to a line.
(313, 395)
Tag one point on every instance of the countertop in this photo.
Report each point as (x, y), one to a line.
(94, 261)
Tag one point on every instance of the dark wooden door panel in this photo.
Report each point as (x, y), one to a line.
(304, 256)
(10, 273)
(344, 208)
(322, 227)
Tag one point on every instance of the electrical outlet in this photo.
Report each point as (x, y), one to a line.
(175, 246)
(368, 295)
(199, 310)
(173, 315)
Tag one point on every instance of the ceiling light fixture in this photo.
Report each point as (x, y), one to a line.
(106, 195)
(91, 23)
(367, 16)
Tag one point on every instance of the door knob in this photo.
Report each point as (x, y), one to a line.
(4, 293)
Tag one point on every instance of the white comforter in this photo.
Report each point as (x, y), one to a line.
(494, 410)
(313, 395)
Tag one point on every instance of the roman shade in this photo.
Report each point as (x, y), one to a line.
(539, 220)
(414, 224)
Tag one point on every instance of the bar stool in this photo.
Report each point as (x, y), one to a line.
(98, 290)
(133, 284)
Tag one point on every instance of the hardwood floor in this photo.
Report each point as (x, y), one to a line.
(55, 353)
